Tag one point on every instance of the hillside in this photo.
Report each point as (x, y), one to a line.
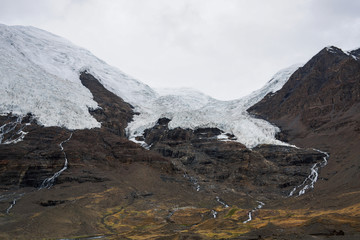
(88, 152)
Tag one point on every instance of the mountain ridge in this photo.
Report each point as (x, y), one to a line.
(42, 70)
(199, 168)
(319, 106)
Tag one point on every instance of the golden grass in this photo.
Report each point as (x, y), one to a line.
(151, 223)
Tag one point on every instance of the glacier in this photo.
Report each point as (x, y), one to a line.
(39, 74)
(190, 109)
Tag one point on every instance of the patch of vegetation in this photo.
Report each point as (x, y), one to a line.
(231, 212)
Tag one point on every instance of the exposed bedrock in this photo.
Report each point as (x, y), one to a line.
(265, 168)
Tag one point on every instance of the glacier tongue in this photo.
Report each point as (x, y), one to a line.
(39, 73)
(188, 108)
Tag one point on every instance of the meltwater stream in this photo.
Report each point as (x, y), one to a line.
(10, 128)
(12, 199)
(221, 202)
(49, 182)
(12, 133)
(193, 180)
(309, 182)
(14, 202)
(261, 204)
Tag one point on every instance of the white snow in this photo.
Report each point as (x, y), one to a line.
(191, 109)
(39, 73)
(331, 49)
(335, 50)
(349, 53)
(141, 143)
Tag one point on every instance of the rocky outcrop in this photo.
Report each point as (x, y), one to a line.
(114, 114)
(269, 169)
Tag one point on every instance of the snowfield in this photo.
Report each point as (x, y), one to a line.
(39, 73)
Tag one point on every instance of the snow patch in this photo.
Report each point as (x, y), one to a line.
(141, 143)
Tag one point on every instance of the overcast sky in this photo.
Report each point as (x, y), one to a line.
(224, 48)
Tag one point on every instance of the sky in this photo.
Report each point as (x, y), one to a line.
(224, 48)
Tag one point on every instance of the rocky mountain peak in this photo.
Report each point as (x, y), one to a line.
(326, 85)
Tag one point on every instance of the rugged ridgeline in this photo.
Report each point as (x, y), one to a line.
(205, 168)
(319, 106)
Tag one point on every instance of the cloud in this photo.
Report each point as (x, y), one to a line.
(223, 48)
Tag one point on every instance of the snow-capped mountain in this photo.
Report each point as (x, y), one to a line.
(40, 75)
(192, 178)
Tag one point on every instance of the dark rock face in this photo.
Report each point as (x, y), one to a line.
(27, 162)
(320, 107)
(271, 169)
(324, 88)
(114, 113)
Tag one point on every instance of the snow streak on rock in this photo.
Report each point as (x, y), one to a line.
(141, 143)
(336, 50)
(310, 181)
(49, 182)
(261, 204)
